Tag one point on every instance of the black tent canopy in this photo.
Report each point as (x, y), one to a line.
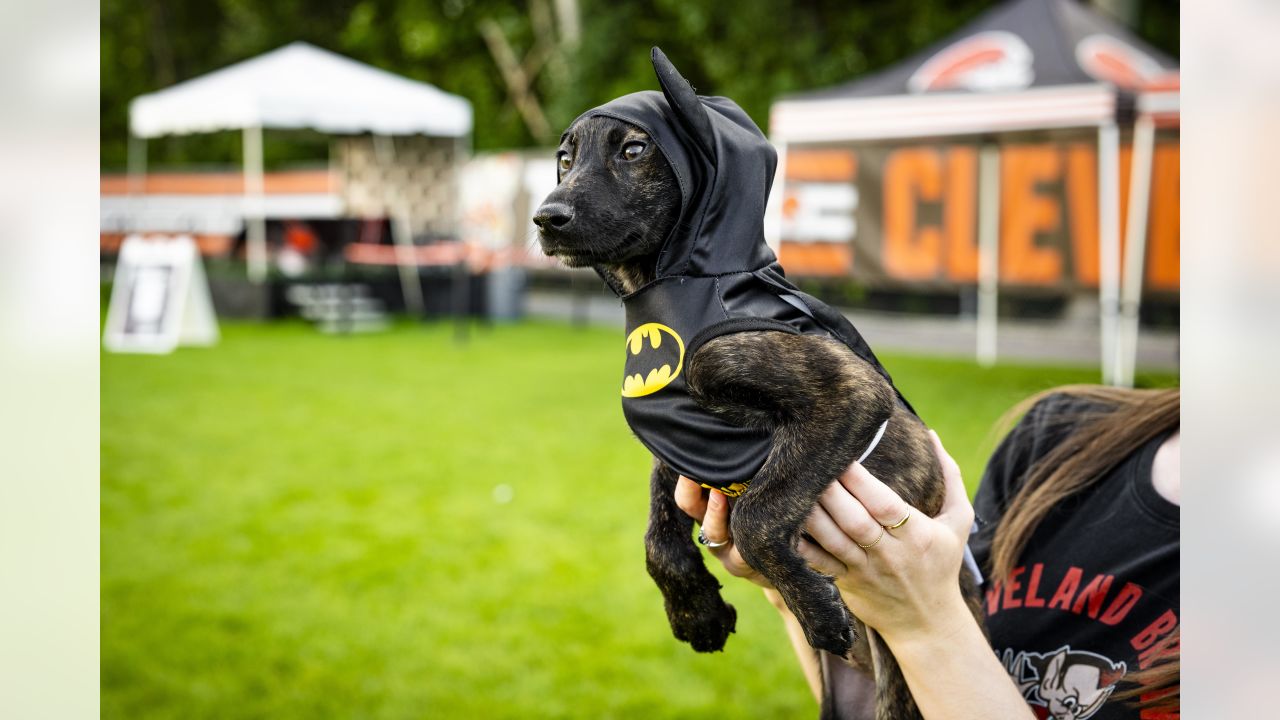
(1023, 65)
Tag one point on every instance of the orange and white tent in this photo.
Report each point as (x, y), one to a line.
(1006, 156)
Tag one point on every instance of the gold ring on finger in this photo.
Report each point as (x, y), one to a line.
(900, 523)
(873, 543)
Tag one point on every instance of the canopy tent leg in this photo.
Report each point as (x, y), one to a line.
(1109, 244)
(773, 205)
(137, 180)
(461, 272)
(1144, 134)
(384, 147)
(988, 252)
(255, 216)
(462, 151)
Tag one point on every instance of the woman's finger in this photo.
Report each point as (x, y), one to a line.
(878, 499)
(957, 512)
(818, 557)
(715, 524)
(690, 499)
(842, 525)
(734, 564)
(821, 560)
(711, 509)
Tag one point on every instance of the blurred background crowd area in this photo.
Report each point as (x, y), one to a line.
(876, 206)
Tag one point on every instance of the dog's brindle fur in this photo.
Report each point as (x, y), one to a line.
(613, 208)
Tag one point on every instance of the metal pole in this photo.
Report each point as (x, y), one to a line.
(137, 180)
(1109, 243)
(255, 205)
(461, 155)
(988, 252)
(461, 300)
(1144, 134)
(401, 231)
(774, 205)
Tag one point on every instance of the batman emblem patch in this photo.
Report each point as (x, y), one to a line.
(655, 356)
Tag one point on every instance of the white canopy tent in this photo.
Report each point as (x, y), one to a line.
(298, 86)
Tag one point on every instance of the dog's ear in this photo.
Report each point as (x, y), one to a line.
(684, 101)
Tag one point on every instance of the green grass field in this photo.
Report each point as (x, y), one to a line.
(303, 526)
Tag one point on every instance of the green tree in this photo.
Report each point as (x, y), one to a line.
(751, 50)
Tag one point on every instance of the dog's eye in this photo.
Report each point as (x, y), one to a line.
(632, 150)
(565, 161)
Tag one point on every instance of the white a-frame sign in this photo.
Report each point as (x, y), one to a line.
(160, 298)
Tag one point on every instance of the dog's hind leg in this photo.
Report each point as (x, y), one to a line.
(823, 405)
(698, 615)
(893, 696)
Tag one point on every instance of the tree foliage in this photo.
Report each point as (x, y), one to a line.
(751, 50)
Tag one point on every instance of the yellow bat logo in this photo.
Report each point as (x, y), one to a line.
(639, 385)
(733, 490)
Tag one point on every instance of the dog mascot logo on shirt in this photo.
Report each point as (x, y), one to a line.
(1064, 684)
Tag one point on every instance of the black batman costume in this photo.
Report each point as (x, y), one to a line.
(715, 275)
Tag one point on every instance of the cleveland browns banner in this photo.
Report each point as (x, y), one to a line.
(906, 215)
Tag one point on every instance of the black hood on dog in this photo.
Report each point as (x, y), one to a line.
(724, 165)
(715, 276)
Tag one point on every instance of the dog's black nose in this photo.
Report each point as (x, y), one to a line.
(555, 215)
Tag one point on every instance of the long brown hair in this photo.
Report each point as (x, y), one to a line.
(1112, 423)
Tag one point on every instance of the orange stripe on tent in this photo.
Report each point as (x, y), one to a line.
(817, 259)
(300, 182)
(820, 165)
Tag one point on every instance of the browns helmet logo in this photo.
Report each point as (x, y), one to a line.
(1119, 63)
(985, 62)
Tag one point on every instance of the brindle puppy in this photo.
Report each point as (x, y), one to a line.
(617, 201)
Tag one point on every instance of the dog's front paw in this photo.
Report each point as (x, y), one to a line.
(834, 638)
(705, 622)
(827, 624)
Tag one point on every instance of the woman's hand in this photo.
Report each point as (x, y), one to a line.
(903, 583)
(712, 512)
(900, 580)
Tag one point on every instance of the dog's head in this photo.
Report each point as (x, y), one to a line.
(670, 171)
(617, 198)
